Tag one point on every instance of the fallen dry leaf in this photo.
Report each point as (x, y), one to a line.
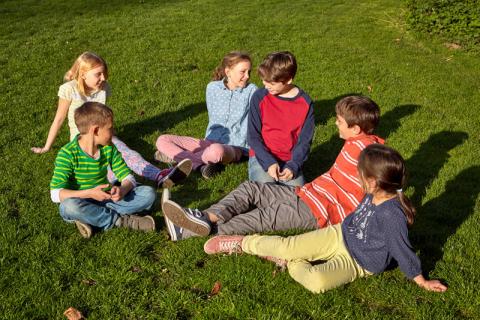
(216, 289)
(135, 269)
(369, 88)
(89, 282)
(453, 46)
(73, 314)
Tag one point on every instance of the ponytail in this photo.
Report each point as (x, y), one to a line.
(387, 167)
(407, 206)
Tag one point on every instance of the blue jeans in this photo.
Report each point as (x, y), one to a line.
(256, 173)
(104, 214)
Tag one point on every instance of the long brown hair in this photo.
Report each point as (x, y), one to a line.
(387, 167)
(228, 61)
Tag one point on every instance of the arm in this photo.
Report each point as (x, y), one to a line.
(302, 147)
(57, 123)
(95, 193)
(254, 133)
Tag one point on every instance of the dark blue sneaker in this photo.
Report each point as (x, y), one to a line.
(176, 174)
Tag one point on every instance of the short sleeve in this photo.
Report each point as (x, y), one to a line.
(66, 91)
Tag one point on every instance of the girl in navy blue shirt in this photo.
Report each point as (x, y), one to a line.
(367, 242)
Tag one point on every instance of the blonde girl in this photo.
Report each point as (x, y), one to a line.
(228, 98)
(86, 81)
(369, 240)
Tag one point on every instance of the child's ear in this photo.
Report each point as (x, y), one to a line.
(289, 81)
(95, 130)
(356, 129)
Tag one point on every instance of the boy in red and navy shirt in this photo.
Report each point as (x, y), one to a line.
(255, 207)
(280, 125)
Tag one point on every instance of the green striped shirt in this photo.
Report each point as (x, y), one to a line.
(75, 170)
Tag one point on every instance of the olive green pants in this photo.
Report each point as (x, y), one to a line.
(324, 244)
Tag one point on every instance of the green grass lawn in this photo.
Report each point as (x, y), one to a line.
(161, 55)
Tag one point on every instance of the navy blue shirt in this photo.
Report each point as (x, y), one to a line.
(376, 236)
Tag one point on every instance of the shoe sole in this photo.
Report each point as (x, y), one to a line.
(179, 218)
(84, 230)
(169, 224)
(178, 174)
(212, 170)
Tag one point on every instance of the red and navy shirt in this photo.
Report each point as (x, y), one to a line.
(280, 130)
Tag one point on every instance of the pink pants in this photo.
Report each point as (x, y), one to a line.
(198, 150)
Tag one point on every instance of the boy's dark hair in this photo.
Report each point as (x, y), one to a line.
(278, 67)
(359, 110)
(92, 114)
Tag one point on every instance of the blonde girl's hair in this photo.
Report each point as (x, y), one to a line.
(84, 63)
(228, 61)
(387, 167)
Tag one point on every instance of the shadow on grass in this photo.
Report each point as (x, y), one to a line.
(424, 165)
(439, 218)
(161, 122)
(324, 155)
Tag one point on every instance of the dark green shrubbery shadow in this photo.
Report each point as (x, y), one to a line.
(322, 157)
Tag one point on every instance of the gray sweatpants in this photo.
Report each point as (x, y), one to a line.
(259, 207)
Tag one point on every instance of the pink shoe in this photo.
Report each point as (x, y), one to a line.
(226, 244)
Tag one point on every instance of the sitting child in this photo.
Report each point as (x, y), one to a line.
(367, 242)
(259, 207)
(280, 124)
(80, 184)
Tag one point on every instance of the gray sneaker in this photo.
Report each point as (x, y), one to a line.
(176, 233)
(84, 229)
(134, 222)
(162, 157)
(190, 219)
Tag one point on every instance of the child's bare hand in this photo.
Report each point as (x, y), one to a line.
(434, 285)
(98, 194)
(286, 174)
(39, 150)
(116, 193)
(273, 171)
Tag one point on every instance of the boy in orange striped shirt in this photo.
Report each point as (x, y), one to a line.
(258, 207)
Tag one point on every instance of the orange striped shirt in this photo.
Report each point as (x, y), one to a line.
(336, 193)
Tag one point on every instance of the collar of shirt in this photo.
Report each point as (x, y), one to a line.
(224, 87)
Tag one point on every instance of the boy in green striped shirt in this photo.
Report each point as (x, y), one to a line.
(80, 184)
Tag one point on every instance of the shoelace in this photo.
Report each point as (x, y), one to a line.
(195, 212)
(230, 246)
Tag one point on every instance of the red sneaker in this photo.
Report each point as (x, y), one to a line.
(226, 244)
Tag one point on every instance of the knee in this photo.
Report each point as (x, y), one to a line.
(163, 140)
(314, 282)
(214, 153)
(147, 193)
(70, 207)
